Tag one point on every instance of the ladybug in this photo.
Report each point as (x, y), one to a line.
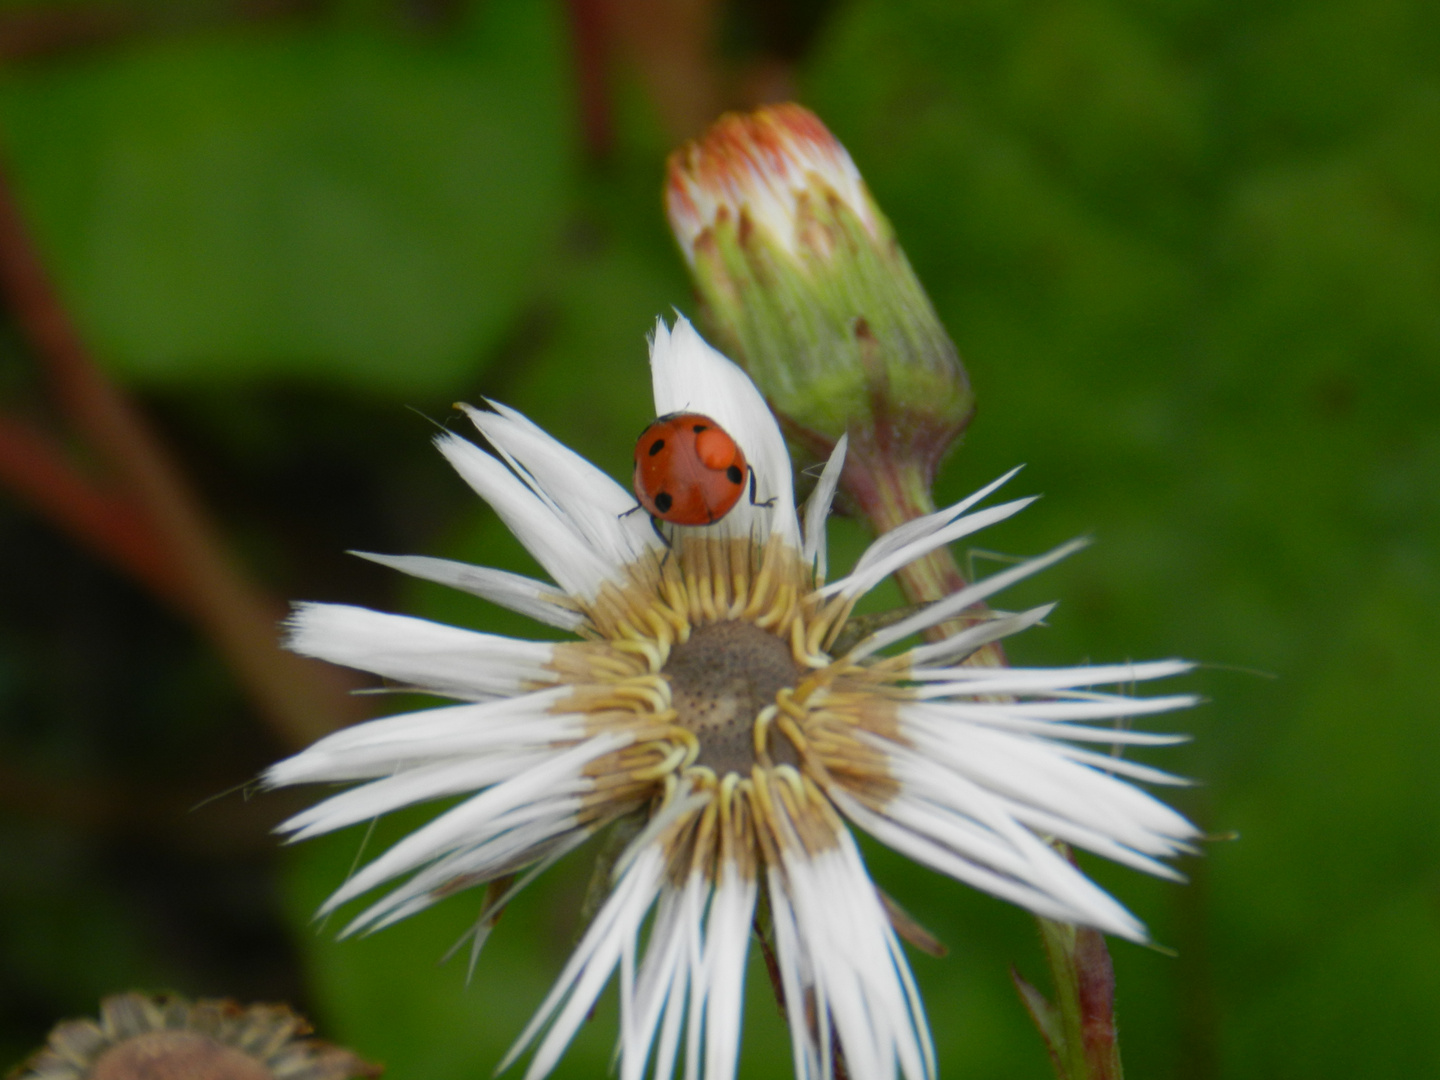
(688, 470)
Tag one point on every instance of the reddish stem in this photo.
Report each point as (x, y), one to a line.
(591, 31)
(43, 30)
(40, 31)
(300, 700)
(34, 468)
(1095, 977)
(672, 44)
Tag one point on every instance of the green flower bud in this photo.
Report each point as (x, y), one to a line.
(804, 284)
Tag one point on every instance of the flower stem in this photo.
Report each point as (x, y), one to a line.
(1079, 1027)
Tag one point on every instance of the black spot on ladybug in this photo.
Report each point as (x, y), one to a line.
(734, 475)
(698, 428)
(657, 446)
(663, 502)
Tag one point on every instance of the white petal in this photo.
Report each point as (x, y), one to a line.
(407, 787)
(727, 941)
(1077, 835)
(663, 982)
(379, 747)
(495, 906)
(616, 924)
(837, 939)
(797, 978)
(958, 646)
(957, 811)
(593, 505)
(691, 376)
(937, 856)
(1108, 764)
(1088, 707)
(562, 777)
(542, 602)
(684, 990)
(862, 579)
(955, 603)
(978, 680)
(442, 659)
(566, 556)
(533, 835)
(817, 509)
(916, 530)
(1111, 736)
(1043, 773)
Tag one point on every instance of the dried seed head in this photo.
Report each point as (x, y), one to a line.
(721, 680)
(145, 1037)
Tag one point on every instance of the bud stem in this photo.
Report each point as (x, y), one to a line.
(890, 491)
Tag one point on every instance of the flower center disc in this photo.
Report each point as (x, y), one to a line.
(177, 1055)
(720, 680)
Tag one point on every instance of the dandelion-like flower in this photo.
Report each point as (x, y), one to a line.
(151, 1037)
(708, 698)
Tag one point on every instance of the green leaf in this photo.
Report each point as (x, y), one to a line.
(312, 202)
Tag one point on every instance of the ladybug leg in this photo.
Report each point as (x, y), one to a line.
(669, 547)
(654, 524)
(754, 492)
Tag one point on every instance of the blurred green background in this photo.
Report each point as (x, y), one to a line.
(1190, 252)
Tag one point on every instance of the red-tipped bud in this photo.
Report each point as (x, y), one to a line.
(804, 283)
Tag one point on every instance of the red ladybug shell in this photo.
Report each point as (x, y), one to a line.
(688, 470)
